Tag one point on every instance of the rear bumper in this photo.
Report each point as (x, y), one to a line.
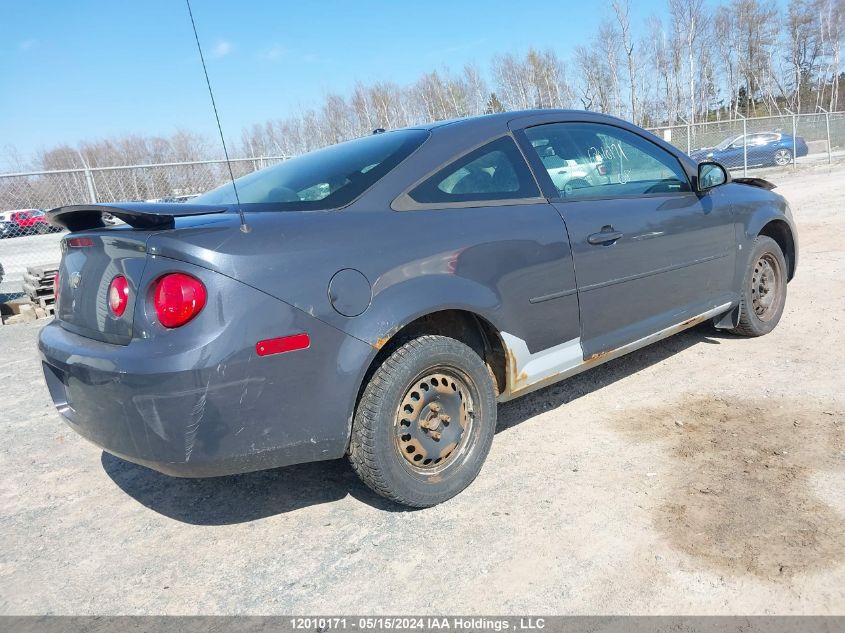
(213, 409)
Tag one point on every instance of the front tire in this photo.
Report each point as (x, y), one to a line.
(425, 422)
(764, 289)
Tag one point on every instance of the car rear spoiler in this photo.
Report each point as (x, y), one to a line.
(139, 215)
(756, 182)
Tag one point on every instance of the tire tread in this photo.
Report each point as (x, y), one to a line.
(746, 326)
(362, 446)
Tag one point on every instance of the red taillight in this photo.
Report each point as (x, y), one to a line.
(80, 242)
(56, 285)
(282, 344)
(178, 298)
(118, 295)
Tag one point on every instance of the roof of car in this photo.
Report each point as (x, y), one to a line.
(501, 119)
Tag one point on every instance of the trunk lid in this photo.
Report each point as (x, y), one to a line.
(90, 261)
(93, 255)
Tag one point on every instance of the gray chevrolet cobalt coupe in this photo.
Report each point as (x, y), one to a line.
(377, 298)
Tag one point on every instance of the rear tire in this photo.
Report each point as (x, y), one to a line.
(782, 157)
(425, 422)
(763, 290)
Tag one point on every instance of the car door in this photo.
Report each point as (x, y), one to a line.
(649, 252)
(486, 214)
(759, 148)
(733, 155)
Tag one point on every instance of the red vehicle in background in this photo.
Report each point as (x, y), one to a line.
(28, 222)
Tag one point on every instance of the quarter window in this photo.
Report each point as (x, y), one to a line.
(329, 178)
(594, 160)
(495, 171)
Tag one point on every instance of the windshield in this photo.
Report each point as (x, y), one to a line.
(726, 143)
(325, 179)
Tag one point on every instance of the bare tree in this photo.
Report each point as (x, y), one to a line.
(512, 83)
(704, 59)
(755, 21)
(831, 31)
(662, 60)
(803, 49)
(622, 10)
(594, 85)
(475, 90)
(688, 18)
(725, 36)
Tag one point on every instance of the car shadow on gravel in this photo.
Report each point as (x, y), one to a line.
(241, 498)
(253, 496)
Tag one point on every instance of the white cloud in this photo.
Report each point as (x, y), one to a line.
(274, 53)
(26, 45)
(222, 48)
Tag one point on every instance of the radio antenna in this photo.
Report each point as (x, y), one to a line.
(244, 227)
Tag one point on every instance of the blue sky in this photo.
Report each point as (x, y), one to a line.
(93, 68)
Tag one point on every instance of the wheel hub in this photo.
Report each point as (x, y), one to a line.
(765, 286)
(433, 419)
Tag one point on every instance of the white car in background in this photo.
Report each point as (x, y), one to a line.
(182, 198)
(7, 229)
(573, 173)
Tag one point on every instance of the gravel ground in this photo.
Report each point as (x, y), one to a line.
(702, 475)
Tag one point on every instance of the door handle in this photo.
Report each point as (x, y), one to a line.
(606, 236)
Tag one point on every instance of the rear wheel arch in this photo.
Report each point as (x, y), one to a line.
(463, 325)
(781, 233)
(425, 446)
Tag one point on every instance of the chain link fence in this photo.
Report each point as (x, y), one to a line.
(774, 141)
(27, 239)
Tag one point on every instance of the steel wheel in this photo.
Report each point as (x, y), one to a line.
(783, 157)
(425, 421)
(766, 286)
(434, 421)
(763, 295)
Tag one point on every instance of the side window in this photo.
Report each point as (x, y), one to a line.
(496, 171)
(595, 160)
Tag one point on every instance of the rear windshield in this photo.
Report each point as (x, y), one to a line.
(325, 179)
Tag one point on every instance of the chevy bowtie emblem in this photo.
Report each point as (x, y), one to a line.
(75, 279)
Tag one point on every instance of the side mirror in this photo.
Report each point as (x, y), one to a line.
(711, 174)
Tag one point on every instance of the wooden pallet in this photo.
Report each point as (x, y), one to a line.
(43, 271)
(38, 286)
(34, 280)
(35, 292)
